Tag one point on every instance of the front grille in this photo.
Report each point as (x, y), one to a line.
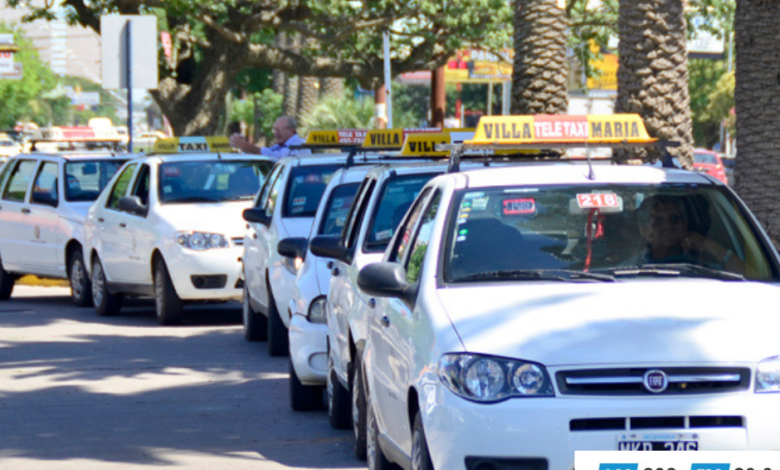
(681, 380)
(656, 422)
(238, 241)
(216, 281)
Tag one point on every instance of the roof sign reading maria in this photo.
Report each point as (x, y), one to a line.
(193, 144)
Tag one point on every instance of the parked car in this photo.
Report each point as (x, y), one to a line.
(169, 226)
(707, 161)
(729, 161)
(45, 198)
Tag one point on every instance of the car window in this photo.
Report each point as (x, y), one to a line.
(602, 228)
(6, 172)
(85, 179)
(212, 181)
(120, 187)
(336, 210)
(402, 244)
(421, 240)
(19, 181)
(707, 158)
(45, 186)
(141, 187)
(270, 181)
(305, 189)
(273, 195)
(349, 236)
(396, 197)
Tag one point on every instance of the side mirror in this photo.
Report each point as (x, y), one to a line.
(258, 216)
(387, 280)
(132, 204)
(327, 246)
(293, 247)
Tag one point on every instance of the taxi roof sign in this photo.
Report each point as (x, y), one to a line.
(425, 144)
(193, 144)
(556, 131)
(335, 137)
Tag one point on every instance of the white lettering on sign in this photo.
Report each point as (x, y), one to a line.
(591, 201)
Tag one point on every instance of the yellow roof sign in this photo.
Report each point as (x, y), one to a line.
(425, 144)
(394, 138)
(325, 138)
(193, 144)
(549, 130)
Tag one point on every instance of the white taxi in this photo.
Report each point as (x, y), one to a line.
(523, 313)
(169, 225)
(42, 219)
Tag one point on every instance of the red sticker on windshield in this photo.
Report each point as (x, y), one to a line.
(594, 201)
(524, 205)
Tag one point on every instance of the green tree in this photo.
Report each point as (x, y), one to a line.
(270, 105)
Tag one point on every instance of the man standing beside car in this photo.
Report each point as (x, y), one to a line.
(285, 136)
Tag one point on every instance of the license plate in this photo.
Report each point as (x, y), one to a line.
(659, 442)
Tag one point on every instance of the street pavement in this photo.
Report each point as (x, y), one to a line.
(78, 391)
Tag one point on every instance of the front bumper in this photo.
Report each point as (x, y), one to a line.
(184, 263)
(541, 427)
(309, 350)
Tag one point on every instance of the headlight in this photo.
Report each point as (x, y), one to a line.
(317, 310)
(200, 241)
(768, 375)
(490, 379)
(292, 264)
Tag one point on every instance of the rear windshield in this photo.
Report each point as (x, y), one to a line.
(211, 181)
(397, 195)
(85, 179)
(336, 211)
(520, 233)
(305, 189)
(707, 158)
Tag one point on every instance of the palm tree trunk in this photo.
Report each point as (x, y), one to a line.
(290, 103)
(331, 87)
(278, 77)
(540, 68)
(757, 96)
(653, 73)
(308, 90)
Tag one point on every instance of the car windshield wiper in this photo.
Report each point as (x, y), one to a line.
(247, 197)
(574, 274)
(676, 270)
(194, 199)
(511, 274)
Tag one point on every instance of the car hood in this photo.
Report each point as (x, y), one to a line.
(685, 320)
(224, 218)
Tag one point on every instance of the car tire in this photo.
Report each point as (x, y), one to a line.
(303, 397)
(106, 303)
(376, 458)
(339, 401)
(421, 455)
(7, 281)
(166, 301)
(358, 409)
(255, 324)
(80, 284)
(278, 339)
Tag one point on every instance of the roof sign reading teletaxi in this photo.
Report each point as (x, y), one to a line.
(335, 138)
(193, 144)
(555, 131)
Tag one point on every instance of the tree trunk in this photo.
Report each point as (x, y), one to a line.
(278, 77)
(307, 100)
(757, 97)
(331, 87)
(195, 108)
(540, 68)
(653, 74)
(291, 82)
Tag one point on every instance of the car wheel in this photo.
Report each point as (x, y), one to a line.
(339, 403)
(278, 341)
(106, 303)
(421, 456)
(255, 324)
(376, 458)
(7, 281)
(359, 410)
(80, 286)
(303, 397)
(166, 301)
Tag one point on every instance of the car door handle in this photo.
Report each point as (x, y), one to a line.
(335, 271)
(372, 302)
(100, 219)
(26, 211)
(385, 321)
(123, 225)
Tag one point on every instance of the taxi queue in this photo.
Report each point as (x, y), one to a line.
(460, 298)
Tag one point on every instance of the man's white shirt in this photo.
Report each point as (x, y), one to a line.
(278, 151)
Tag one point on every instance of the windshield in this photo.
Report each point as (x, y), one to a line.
(307, 185)
(85, 179)
(397, 195)
(618, 230)
(336, 211)
(211, 181)
(705, 158)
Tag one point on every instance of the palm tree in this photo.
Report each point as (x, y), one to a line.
(332, 86)
(653, 72)
(308, 90)
(290, 103)
(540, 71)
(757, 98)
(279, 76)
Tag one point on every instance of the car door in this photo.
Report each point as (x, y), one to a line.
(142, 231)
(116, 241)
(14, 210)
(394, 324)
(43, 220)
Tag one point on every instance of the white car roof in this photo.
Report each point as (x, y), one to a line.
(195, 156)
(80, 155)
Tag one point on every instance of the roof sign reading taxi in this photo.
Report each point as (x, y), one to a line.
(193, 144)
(550, 131)
(335, 138)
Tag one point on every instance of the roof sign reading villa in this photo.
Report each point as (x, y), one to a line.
(193, 144)
(425, 144)
(392, 138)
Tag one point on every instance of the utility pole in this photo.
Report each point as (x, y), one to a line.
(438, 97)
